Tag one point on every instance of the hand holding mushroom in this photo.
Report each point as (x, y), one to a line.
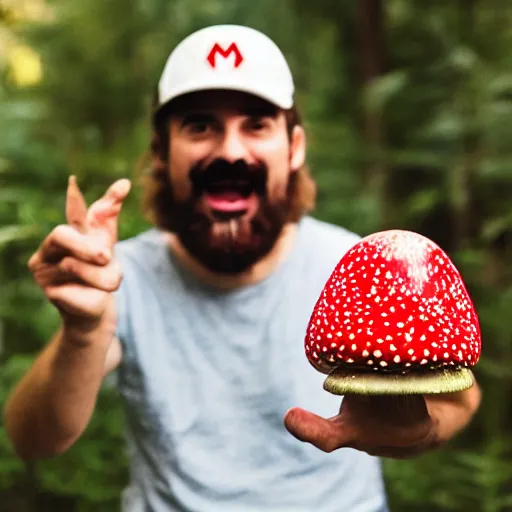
(396, 332)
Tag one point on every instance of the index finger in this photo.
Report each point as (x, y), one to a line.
(76, 207)
(109, 205)
(64, 240)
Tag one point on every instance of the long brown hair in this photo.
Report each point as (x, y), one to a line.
(155, 180)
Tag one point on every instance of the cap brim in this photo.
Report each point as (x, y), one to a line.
(281, 102)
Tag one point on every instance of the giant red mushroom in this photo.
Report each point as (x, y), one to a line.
(394, 317)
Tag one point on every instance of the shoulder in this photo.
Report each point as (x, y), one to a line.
(327, 239)
(143, 260)
(323, 244)
(140, 244)
(144, 252)
(327, 233)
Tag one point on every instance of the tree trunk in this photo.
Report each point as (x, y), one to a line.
(460, 194)
(371, 49)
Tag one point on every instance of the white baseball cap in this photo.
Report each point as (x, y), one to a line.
(229, 57)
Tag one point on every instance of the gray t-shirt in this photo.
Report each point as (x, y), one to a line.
(207, 377)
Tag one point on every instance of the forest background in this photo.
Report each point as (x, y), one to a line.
(408, 110)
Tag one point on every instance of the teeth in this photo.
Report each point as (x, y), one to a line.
(233, 227)
(242, 187)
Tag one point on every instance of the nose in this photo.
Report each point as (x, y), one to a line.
(232, 146)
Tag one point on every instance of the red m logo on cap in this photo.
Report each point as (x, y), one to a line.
(217, 48)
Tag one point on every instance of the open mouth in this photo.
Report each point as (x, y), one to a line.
(229, 196)
(229, 190)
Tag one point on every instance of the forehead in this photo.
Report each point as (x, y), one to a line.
(222, 101)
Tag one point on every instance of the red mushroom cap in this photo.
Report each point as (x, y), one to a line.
(394, 303)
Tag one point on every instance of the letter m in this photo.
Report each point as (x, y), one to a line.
(217, 49)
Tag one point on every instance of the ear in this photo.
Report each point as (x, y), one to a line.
(297, 148)
(157, 157)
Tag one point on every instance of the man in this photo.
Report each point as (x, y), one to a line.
(206, 331)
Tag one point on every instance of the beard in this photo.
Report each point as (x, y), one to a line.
(230, 242)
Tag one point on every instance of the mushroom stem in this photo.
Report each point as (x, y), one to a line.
(342, 381)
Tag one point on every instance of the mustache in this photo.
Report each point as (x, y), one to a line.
(237, 175)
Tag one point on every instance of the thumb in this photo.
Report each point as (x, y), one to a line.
(326, 434)
(102, 216)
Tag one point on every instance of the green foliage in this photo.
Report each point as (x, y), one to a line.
(424, 144)
(94, 470)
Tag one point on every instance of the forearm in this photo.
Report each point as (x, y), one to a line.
(452, 412)
(53, 404)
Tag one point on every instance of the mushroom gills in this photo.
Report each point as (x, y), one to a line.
(346, 381)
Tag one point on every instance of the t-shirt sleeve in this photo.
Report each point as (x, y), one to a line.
(121, 294)
(121, 302)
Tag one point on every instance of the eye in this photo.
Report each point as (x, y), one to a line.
(197, 124)
(257, 123)
(198, 127)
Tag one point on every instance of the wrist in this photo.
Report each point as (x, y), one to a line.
(86, 333)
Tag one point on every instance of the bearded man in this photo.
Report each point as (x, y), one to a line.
(202, 317)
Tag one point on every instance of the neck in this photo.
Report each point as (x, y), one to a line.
(255, 274)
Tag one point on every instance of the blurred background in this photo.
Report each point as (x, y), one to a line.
(408, 110)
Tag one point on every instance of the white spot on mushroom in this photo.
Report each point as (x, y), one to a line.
(377, 353)
(396, 359)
